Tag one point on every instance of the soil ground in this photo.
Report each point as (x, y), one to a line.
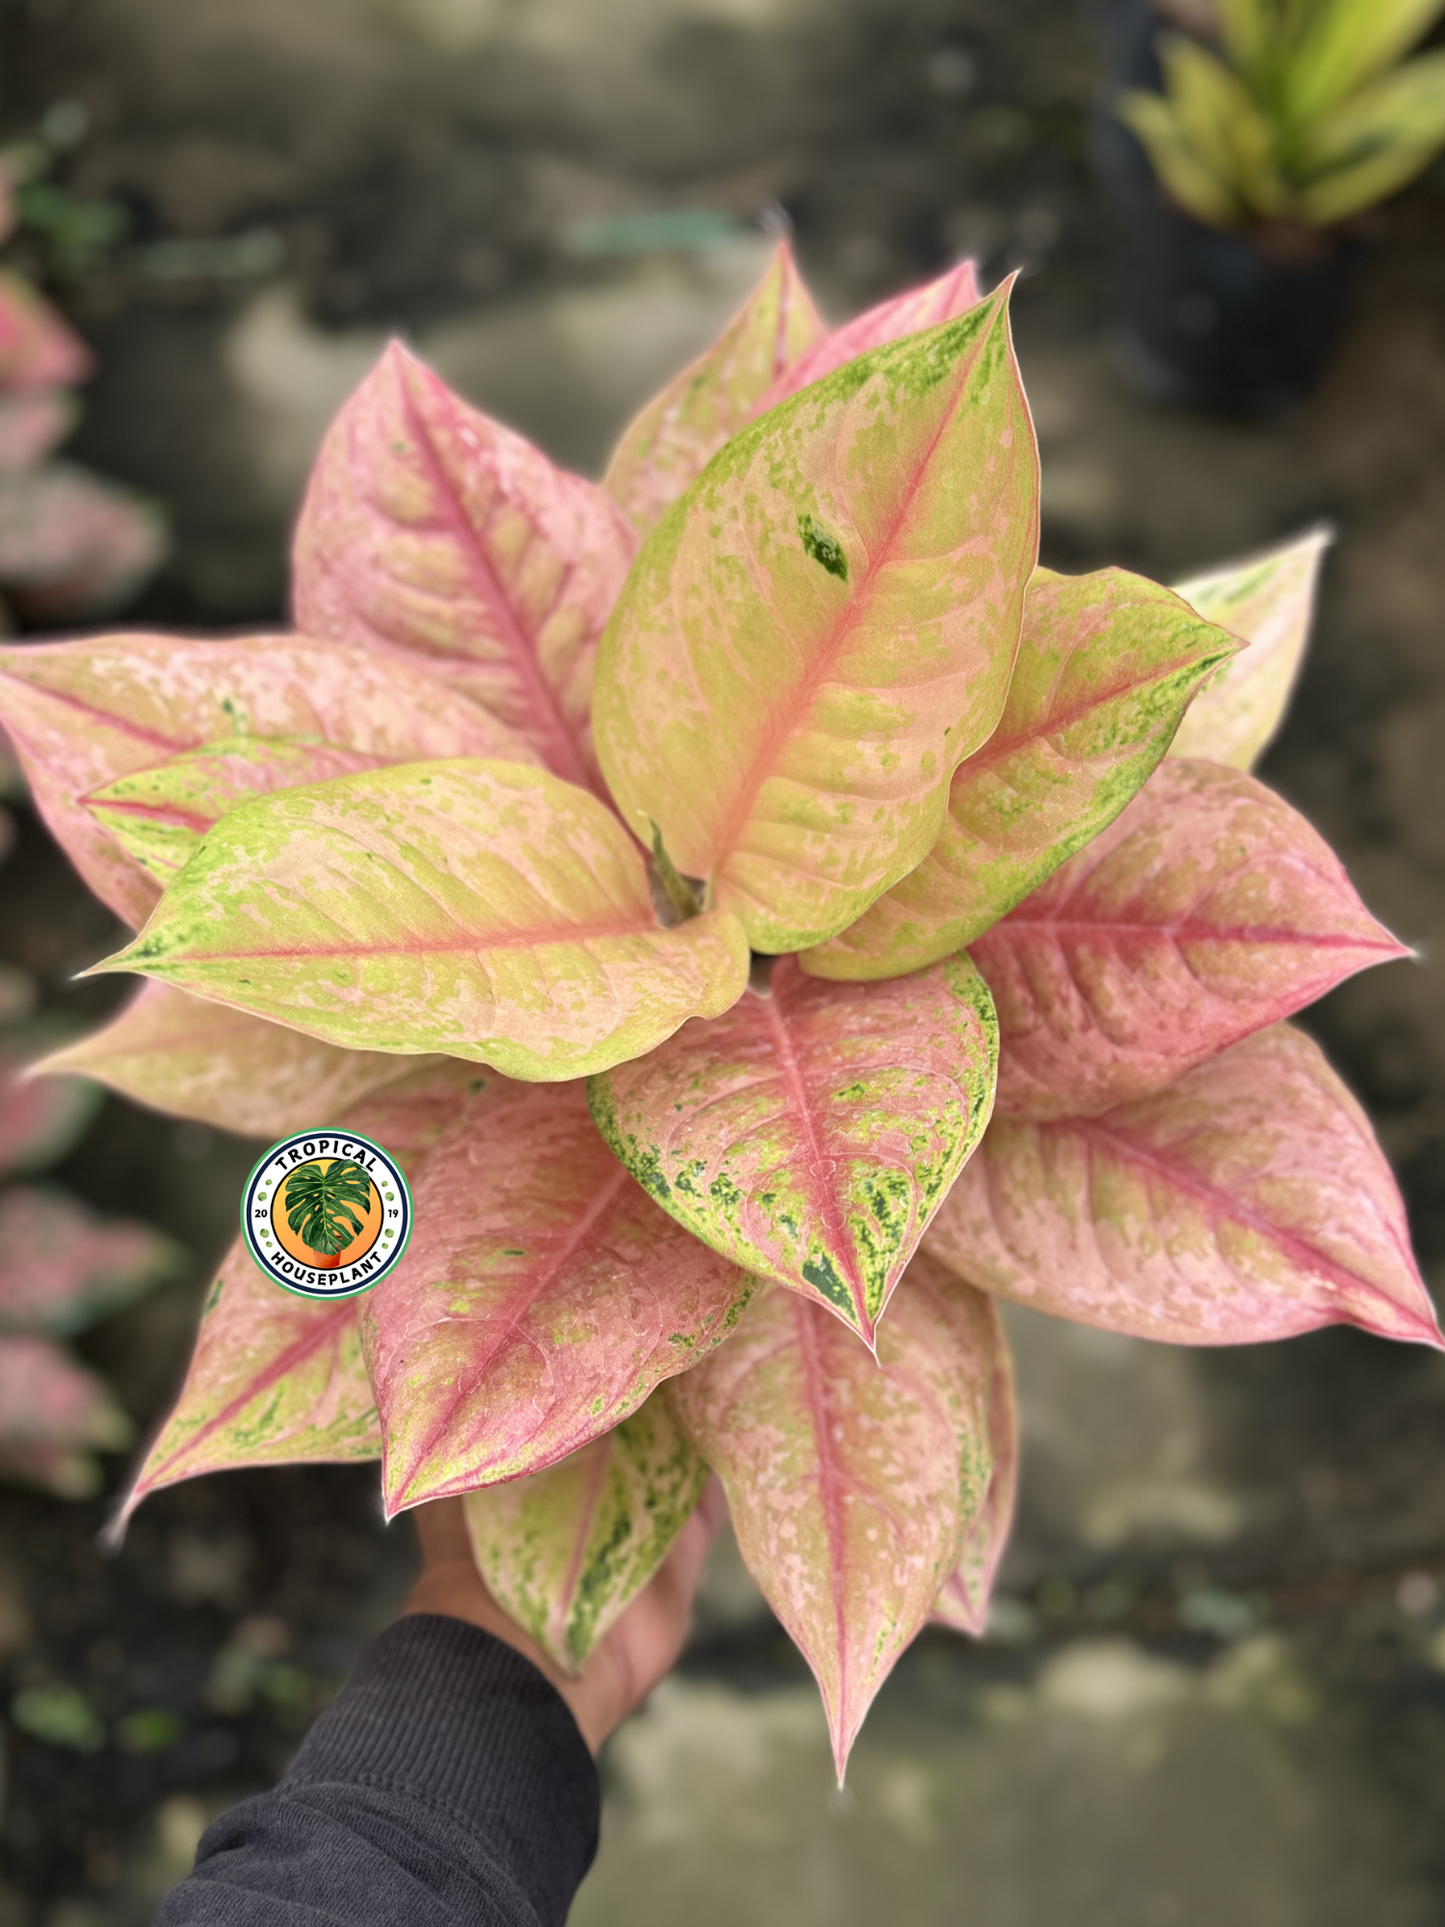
(1217, 1685)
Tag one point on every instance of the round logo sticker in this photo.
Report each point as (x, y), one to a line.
(326, 1214)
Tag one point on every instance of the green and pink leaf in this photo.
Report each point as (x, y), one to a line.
(1247, 1202)
(810, 1133)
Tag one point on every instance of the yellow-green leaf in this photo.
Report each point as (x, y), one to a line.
(1106, 667)
(680, 430)
(564, 1552)
(825, 625)
(484, 910)
(1267, 601)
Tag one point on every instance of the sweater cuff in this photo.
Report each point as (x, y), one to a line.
(442, 1711)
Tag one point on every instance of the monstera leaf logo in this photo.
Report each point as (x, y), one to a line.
(319, 1201)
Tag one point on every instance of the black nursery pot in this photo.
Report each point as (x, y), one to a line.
(1204, 316)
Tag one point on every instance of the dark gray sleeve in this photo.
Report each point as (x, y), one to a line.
(446, 1784)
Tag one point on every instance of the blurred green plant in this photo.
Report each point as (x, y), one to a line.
(1307, 114)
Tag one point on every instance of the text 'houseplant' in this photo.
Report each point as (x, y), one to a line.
(762, 910)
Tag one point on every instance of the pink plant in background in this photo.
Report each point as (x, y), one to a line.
(71, 545)
(753, 899)
(61, 1269)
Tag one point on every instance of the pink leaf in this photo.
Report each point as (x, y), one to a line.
(429, 528)
(274, 1380)
(542, 1298)
(61, 1267)
(194, 1059)
(676, 435)
(1247, 1202)
(1208, 909)
(904, 314)
(811, 1133)
(1106, 664)
(32, 421)
(37, 349)
(83, 713)
(851, 1483)
(963, 1602)
(40, 1117)
(72, 544)
(52, 1414)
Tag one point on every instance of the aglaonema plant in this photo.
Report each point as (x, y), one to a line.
(773, 920)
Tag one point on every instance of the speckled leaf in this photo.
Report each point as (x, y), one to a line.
(542, 1298)
(409, 1115)
(429, 528)
(486, 910)
(196, 1059)
(53, 1414)
(566, 1551)
(1249, 1201)
(1269, 601)
(1106, 666)
(83, 713)
(951, 294)
(680, 430)
(61, 1267)
(851, 1483)
(1208, 909)
(37, 349)
(811, 1133)
(274, 1380)
(159, 815)
(824, 627)
(963, 1602)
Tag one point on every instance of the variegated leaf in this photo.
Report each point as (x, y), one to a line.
(677, 434)
(1247, 1202)
(37, 348)
(910, 313)
(409, 1115)
(274, 1380)
(1208, 909)
(851, 1483)
(1106, 666)
(824, 627)
(429, 528)
(963, 1602)
(200, 1060)
(159, 815)
(811, 1133)
(566, 1551)
(486, 910)
(53, 1414)
(61, 1267)
(83, 713)
(542, 1298)
(1269, 601)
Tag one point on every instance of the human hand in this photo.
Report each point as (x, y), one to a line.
(626, 1663)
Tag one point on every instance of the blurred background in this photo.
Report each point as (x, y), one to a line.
(1215, 1684)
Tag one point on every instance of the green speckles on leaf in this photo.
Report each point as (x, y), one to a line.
(566, 1550)
(825, 549)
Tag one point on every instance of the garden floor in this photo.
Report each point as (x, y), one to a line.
(1216, 1690)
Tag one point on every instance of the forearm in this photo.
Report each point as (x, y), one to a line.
(447, 1783)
